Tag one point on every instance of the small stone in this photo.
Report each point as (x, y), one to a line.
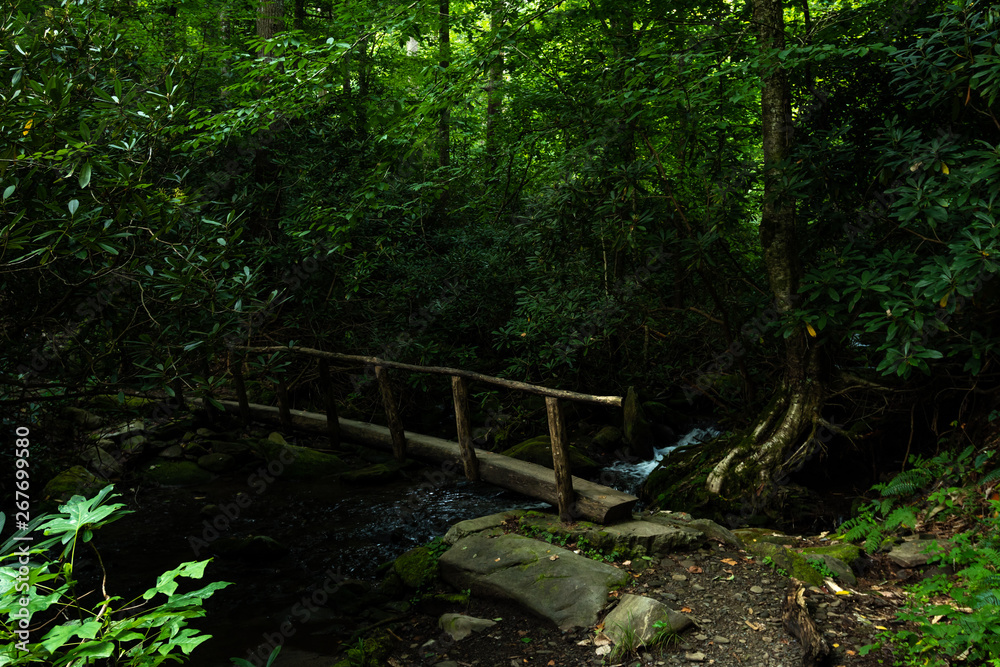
(697, 587)
(701, 638)
(678, 577)
(756, 589)
(695, 657)
(601, 650)
(719, 639)
(767, 639)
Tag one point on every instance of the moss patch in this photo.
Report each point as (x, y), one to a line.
(539, 451)
(417, 567)
(300, 462)
(75, 481)
(844, 552)
(177, 473)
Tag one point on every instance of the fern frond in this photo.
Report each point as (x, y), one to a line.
(901, 516)
(990, 477)
(906, 483)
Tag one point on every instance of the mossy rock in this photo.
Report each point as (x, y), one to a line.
(539, 451)
(380, 472)
(417, 567)
(607, 439)
(785, 561)
(178, 473)
(372, 652)
(842, 551)
(300, 462)
(217, 463)
(77, 481)
(753, 535)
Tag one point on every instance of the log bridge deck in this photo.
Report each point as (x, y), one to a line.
(593, 502)
(576, 498)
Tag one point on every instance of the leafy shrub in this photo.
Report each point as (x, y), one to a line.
(111, 632)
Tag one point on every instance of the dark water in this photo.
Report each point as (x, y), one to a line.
(332, 532)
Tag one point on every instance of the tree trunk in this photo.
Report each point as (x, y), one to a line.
(766, 454)
(444, 121)
(494, 98)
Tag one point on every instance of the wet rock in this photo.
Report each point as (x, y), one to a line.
(205, 433)
(299, 462)
(172, 452)
(568, 589)
(75, 481)
(277, 438)
(238, 450)
(711, 529)
(459, 626)
(636, 616)
(841, 570)
(177, 473)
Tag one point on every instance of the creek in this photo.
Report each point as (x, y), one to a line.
(332, 532)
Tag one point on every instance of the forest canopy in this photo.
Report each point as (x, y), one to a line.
(782, 211)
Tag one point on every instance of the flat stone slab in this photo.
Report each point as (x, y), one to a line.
(480, 524)
(917, 552)
(554, 583)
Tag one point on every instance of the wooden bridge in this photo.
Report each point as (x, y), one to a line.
(576, 498)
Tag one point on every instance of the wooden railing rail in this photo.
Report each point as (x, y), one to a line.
(460, 394)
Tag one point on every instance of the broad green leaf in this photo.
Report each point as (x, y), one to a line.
(73, 205)
(84, 178)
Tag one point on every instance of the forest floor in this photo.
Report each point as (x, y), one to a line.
(735, 601)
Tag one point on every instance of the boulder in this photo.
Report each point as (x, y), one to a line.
(135, 444)
(607, 439)
(126, 429)
(103, 464)
(75, 481)
(460, 626)
(81, 417)
(554, 583)
(635, 618)
(300, 462)
(636, 537)
(177, 473)
(217, 463)
(538, 450)
(172, 452)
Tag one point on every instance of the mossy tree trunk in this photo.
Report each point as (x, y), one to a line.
(785, 431)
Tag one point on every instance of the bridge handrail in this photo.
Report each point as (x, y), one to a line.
(442, 370)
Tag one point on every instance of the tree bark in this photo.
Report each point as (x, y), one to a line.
(494, 99)
(766, 454)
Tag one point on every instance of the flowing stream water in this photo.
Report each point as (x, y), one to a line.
(330, 530)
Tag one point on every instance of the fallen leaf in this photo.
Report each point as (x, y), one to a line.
(694, 569)
(729, 561)
(686, 610)
(849, 652)
(626, 563)
(550, 558)
(496, 560)
(551, 662)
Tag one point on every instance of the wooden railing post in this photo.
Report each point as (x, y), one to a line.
(560, 458)
(460, 392)
(332, 421)
(389, 403)
(236, 368)
(284, 406)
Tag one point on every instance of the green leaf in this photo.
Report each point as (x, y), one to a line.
(73, 205)
(9, 191)
(84, 177)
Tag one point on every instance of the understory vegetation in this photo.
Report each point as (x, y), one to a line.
(777, 216)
